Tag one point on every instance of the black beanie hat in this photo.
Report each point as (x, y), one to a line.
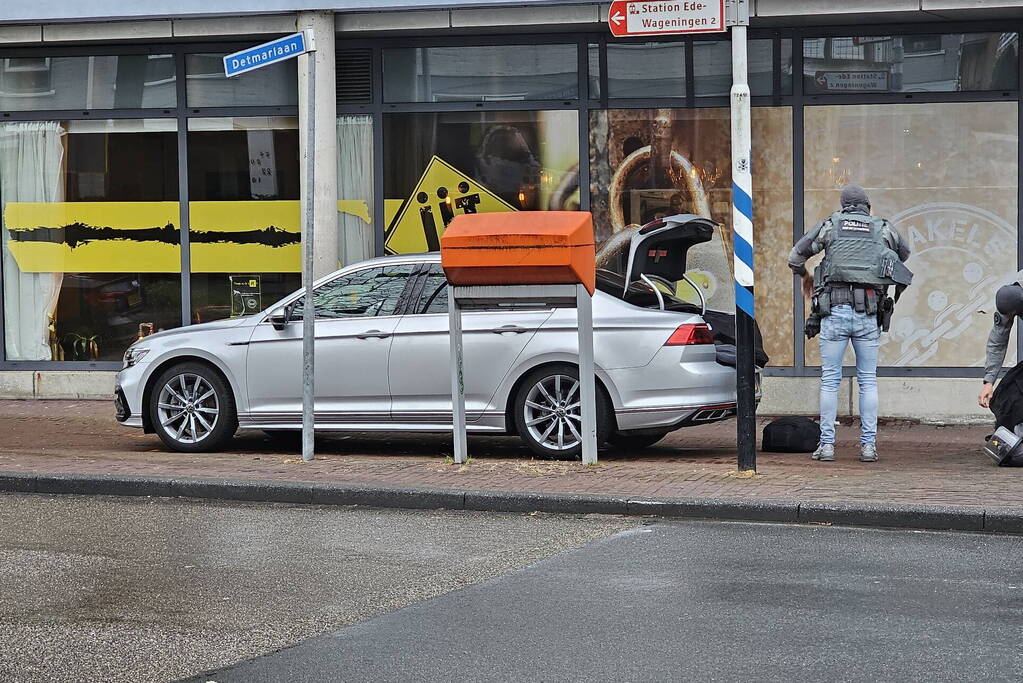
(1009, 300)
(854, 195)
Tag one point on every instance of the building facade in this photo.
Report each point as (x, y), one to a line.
(140, 189)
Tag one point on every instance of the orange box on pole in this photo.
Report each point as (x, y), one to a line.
(520, 248)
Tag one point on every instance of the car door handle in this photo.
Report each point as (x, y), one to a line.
(371, 334)
(505, 329)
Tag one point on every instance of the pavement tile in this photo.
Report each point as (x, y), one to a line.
(920, 465)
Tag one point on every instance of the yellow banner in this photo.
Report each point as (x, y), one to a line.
(144, 237)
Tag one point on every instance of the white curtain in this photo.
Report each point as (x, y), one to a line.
(31, 158)
(355, 183)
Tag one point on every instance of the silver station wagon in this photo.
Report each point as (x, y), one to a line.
(382, 358)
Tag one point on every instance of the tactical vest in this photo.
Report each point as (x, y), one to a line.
(858, 253)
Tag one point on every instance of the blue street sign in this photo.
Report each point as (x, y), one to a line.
(273, 52)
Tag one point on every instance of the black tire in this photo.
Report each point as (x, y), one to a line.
(524, 413)
(176, 393)
(635, 442)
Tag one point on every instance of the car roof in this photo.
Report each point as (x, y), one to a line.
(427, 257)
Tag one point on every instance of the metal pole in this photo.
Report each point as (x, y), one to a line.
(742, 232)
(587, 383)
(308, 312)
(457, 378)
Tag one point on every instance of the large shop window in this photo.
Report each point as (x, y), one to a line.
(437, 166)
(207, 86)
(481, 74)
(946, 176)
(911, 63)
(650, 163)
(97, 82)
(91, 250)
(244, 217)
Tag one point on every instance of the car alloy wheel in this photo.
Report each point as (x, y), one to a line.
(188, 408)
(552, 413)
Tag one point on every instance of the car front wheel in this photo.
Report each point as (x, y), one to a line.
(548, 415)
(192, 408)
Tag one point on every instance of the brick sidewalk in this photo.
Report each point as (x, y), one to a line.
(919, 464)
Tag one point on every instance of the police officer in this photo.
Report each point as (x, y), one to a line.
(1008, 305)
(863, 256)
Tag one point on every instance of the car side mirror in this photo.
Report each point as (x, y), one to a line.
(279, 317)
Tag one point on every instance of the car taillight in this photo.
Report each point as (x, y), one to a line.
(689, 334)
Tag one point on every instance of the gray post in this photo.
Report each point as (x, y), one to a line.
(587, 383)
(308, 311)
(457, 378)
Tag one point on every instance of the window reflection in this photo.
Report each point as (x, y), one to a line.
(916, 63)
(96, 82)
(437, 166)
(712, 67)
(207, 86)
(480, 74)
(646, 70)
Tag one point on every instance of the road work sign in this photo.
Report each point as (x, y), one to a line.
(442, 193)
(644, 18)
(279, 50)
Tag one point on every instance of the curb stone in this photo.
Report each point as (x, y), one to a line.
(712, 508)
(931, 517)
(960, 518)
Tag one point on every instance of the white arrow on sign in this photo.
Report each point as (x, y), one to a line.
(617, 19)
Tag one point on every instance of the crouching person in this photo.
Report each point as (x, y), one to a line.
(1005, 446)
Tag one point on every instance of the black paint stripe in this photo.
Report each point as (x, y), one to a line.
(78, 234)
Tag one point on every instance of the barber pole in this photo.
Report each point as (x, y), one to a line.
(742, 240)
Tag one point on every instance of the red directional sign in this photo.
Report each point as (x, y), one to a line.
(645, 18)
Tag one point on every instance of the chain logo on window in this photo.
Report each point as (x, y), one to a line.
(442, 193)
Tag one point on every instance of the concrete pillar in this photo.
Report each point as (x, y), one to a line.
(325, 143)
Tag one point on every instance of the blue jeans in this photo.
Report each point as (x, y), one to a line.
(837, 330)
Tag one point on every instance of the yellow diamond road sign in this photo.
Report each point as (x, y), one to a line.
(442, 193)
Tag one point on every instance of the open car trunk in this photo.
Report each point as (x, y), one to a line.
(649, 266)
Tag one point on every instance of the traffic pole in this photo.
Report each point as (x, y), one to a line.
(742, 241)
(308, 310)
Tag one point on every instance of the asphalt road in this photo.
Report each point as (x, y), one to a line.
(102, 589)
(706, 602)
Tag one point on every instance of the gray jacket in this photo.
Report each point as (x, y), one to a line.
(817, 240)
(998, 342)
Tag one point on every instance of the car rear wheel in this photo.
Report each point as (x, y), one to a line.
(635, 442)
(192, 408)
(548, 414)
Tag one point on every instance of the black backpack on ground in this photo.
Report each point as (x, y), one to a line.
(791, 435)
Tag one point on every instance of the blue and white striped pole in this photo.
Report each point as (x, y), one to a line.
(742, 236)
